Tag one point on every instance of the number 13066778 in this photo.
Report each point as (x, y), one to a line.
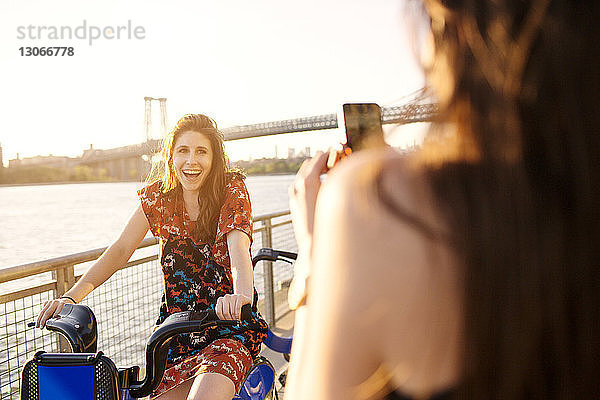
(47, 51)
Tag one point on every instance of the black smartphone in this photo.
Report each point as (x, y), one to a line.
(362, 123)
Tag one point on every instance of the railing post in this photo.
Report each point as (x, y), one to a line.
(69, 277)
(267, 241)
(58, 275)
(65, 279)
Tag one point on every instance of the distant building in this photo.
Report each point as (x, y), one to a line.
(1, 159)
(305, 152)
(132, 162)
(123, 163)
(291, 152)
(45, 161)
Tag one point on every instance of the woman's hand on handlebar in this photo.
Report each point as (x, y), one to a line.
(50, 309)
(229, 307)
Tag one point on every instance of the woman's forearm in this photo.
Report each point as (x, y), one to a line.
(241, 264)
(229, 306)
(243, 276)
(242, 281)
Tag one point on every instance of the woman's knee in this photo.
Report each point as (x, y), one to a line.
(211, 386)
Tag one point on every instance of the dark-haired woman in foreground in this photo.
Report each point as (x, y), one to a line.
(201, 212)
(470, 269)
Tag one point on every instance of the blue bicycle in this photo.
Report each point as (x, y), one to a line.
(87, 374)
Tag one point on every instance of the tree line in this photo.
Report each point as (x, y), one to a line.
(82, 173)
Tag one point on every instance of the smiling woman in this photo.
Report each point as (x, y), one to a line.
(193, 155)
(192, 160)
(200, 209)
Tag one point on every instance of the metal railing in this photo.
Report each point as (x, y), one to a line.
(126, 305)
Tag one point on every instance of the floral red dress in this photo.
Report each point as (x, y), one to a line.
(196, 274)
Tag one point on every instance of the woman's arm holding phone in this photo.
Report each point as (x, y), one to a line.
(334, 349)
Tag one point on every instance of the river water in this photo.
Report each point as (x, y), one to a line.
(46, 221)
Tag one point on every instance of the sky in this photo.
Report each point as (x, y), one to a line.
(238, 61)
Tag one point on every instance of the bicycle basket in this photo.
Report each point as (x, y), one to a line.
(69, 376)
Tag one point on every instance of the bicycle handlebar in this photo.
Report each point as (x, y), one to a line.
(175, 324)
(78, 324)
(267, 254)
(274, 342)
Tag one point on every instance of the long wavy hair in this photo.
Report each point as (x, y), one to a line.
(211, 194)
(514, 165)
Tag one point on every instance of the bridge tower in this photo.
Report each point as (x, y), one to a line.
(162, 101)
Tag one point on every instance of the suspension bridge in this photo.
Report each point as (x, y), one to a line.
(133, 161)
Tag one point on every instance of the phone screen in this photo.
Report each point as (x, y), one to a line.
(362, 122)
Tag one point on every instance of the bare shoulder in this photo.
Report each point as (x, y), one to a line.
(402, 279)
(365, 180)
(351, 213)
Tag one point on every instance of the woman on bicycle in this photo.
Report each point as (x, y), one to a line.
(201, 212)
